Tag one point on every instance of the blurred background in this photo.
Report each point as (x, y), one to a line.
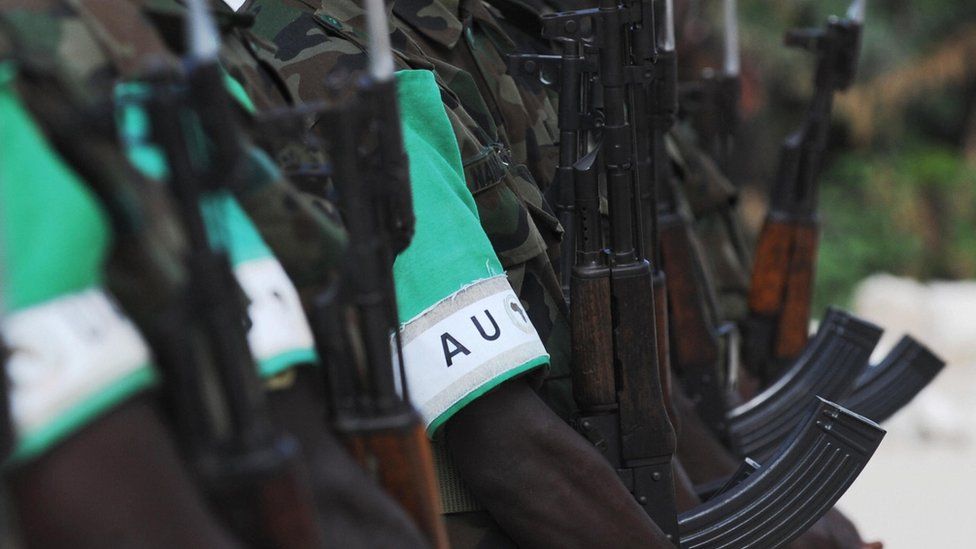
(898, 207)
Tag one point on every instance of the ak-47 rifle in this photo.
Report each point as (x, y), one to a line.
(252, 472)
(782, 276)
(604, 317)
(886, 387)
(354, 326)
(827, 367)
(717, 95)
(777, 502)
(616, 373)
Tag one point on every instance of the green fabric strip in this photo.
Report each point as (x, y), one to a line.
(55, 232)
(34, 444)
(436, 423)
(449, 249)
(277, 364)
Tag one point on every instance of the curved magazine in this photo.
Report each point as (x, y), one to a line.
(886, 387)
(801, 482)
(828, 367)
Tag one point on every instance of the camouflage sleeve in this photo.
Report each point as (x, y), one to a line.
(307, 242)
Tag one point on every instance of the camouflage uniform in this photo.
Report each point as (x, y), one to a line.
(314, 45)
(82, 48)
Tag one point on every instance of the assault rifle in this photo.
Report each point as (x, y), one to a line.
(777, 502)
(782, 277)
(354, 326)
(886, 387)
(716, 95)
(828, 367)
(616, 374)
(252, 472)
(606, 382)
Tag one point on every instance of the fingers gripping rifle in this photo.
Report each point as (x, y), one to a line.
(253, 473)
(782, 277)
(354, 327)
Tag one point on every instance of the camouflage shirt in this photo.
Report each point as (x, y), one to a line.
(315, 45)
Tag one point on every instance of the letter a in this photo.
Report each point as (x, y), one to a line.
(492, 337)
(458, 348)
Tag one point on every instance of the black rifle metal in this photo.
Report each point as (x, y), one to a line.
(800, 483)
(369, 398)
(886, 387)
(250, 453)
(719, 486)
(776, 327)
(828, 367)
(622, 407)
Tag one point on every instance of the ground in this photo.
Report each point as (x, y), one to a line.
(918, 490)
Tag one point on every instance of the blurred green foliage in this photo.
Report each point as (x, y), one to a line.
(903, 201)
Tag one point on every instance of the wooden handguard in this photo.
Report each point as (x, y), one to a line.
(266, 497)
(695, 344)
(594, 385)
(663, 344)
(645, 428)
(769, 271)
(403, 464)
(794, 321)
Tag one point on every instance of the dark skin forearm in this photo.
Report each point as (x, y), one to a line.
(543, 483)
(116, 483)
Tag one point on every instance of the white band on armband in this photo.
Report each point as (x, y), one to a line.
(71, 358)
(280, 336)
(466, 345)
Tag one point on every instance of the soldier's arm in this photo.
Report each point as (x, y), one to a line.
(542, 482)
(117, 482)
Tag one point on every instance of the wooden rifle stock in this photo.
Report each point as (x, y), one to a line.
(376, 419)
(664, 344)
(782, 278)
(695, 345)
(781, 291)
(401, 460)
(594, 384)
(794, 321)
(269, 506)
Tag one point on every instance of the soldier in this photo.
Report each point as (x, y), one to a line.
(355, 512)
(80, 371)
(314, 44)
